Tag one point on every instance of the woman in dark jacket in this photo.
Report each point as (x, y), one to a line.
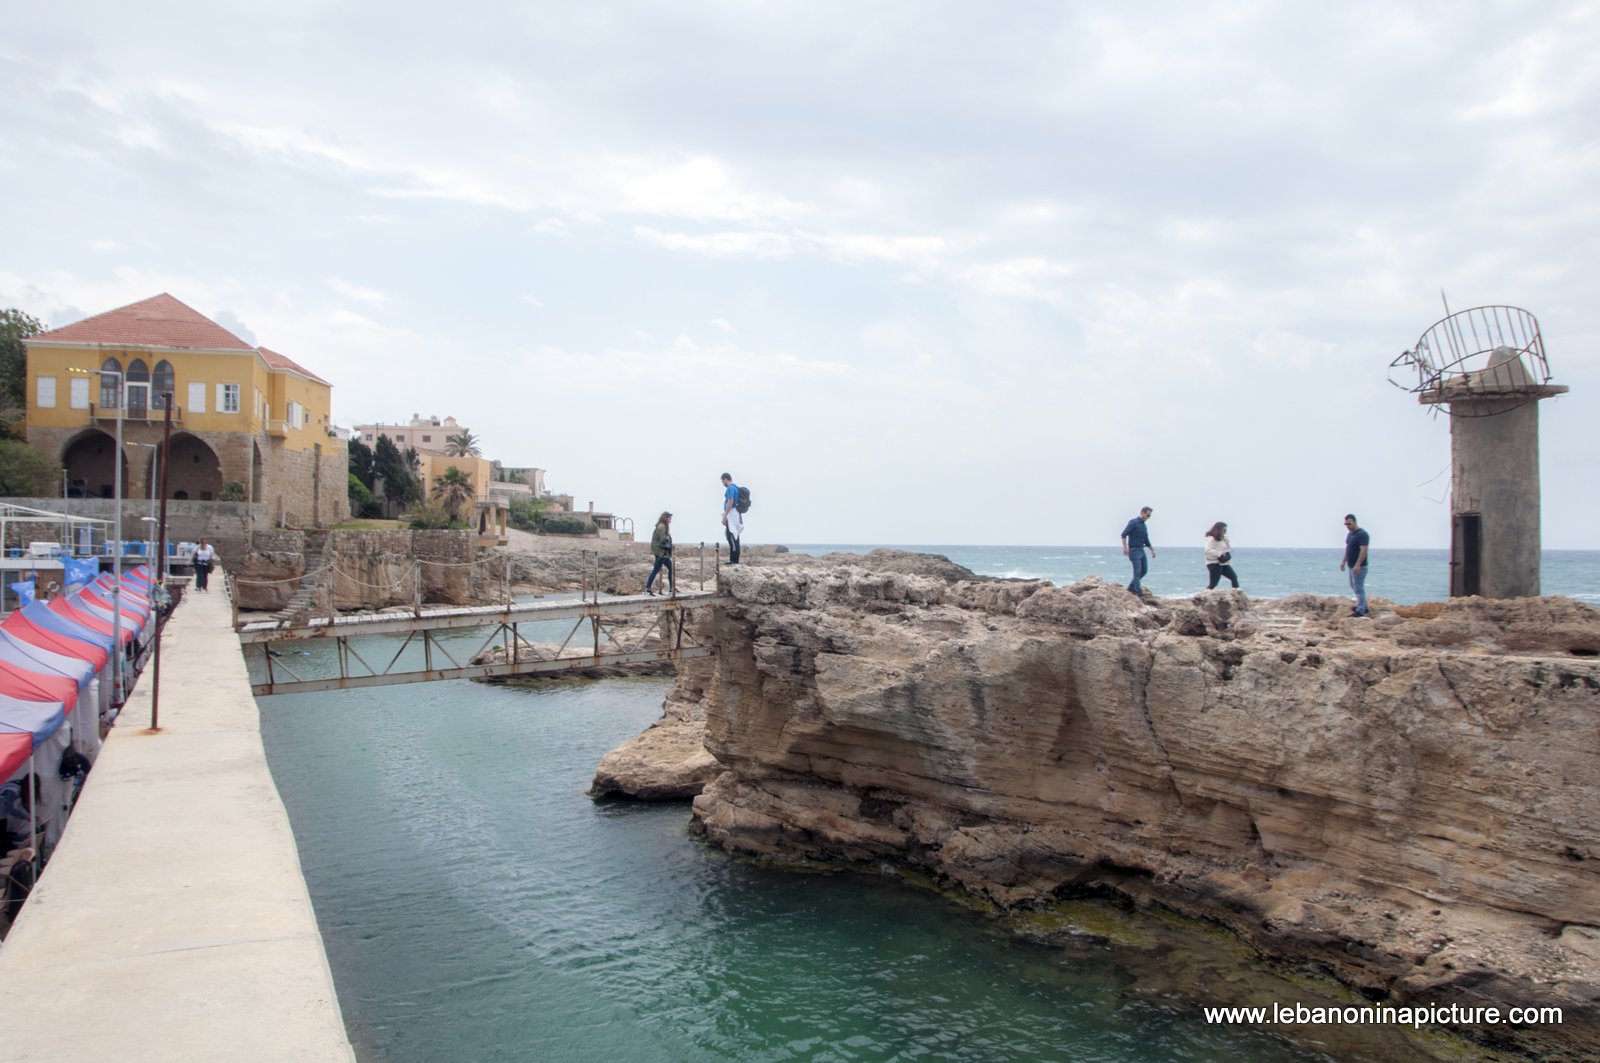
(661, 547)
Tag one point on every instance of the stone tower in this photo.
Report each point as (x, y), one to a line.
(1486, 368)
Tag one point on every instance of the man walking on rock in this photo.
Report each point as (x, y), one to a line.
(1356, 541)
(732, 519)
(1135, 541)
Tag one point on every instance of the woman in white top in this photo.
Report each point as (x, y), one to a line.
(1218, 554)
(205, 556)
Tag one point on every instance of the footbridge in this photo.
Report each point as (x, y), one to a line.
(421, 645)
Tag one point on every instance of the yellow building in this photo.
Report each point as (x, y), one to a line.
(245, 420)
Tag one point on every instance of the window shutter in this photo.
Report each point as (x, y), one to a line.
(197, 398)
(47, 392)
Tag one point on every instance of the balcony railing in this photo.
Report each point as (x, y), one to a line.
(135, 415)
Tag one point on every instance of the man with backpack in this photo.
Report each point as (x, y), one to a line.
(735, 501)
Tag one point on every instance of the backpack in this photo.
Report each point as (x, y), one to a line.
(743, 505)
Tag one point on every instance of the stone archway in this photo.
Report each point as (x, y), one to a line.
(90, 463)
(193, 469)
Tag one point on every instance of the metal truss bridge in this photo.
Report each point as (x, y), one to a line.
(427, 645)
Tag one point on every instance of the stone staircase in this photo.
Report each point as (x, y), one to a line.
(308, 595)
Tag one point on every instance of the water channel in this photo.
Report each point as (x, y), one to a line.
(477, 906)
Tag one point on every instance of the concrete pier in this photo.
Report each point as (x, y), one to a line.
(173, 923)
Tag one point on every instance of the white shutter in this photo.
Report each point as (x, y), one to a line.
(78, 393)
(197, 398)
(47, 392)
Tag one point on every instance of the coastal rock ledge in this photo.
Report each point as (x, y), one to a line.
(1407, 801)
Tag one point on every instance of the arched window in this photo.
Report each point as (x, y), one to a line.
(138, 387)
(162, 385)
(108, 384)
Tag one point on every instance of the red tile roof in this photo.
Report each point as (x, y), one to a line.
(280, 361)
(161, 321)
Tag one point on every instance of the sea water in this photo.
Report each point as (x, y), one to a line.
(1401, 576)
(477, 906)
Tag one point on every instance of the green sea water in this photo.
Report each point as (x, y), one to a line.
(477, 906)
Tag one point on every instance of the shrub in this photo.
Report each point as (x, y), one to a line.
(232, 491)
(525, 513)
(431, 516)
(569, 526)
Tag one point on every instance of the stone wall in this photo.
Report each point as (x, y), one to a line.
(370, 569)
(307, 488)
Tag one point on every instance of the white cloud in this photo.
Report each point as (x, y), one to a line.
(357, 292)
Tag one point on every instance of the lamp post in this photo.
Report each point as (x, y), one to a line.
(150, 531)
(116, 525)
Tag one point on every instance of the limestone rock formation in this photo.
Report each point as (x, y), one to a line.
(1407, 800)
(669, 761)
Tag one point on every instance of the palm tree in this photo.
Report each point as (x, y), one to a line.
(452, 490)
(462, 445)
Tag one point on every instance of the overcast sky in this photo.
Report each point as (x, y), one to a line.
(916, 272)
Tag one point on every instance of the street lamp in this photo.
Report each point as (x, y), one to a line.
(116, 553)
(150, 532)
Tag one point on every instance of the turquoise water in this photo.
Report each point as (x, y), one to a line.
(1402, 576)
(476, 905)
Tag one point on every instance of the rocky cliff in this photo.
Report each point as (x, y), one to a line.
(1406, 800)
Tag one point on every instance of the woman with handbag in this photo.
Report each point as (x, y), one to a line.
(205, 556)
(1218, 554)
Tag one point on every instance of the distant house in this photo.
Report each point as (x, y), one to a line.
(241, 414)
(426, 435)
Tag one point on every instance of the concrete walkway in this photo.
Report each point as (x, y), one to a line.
(172, 923)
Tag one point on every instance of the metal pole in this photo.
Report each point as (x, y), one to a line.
(118, 686)
(161, 567)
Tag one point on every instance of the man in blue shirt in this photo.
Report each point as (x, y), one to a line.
(732, 519)
(1356, 541)
(1135, 541)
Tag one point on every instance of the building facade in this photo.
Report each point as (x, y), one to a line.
(248, 424)
(426, 435)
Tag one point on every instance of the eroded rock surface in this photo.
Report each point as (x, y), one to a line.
(1408, 800)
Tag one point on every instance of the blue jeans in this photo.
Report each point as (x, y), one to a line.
(1358, 583)
(1141, 565)
(661, 563)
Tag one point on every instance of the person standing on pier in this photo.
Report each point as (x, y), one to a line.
(661, 547)
(1135, 541)
(204, 557)
(1356, 541)
(732, 519)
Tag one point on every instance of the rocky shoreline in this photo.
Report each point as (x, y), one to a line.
(1405, 802)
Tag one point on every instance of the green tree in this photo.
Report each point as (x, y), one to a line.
(15, 328)
(462, 444)
(401, 486)
(26, 473)
(361, 459)
(452, 490)
(360, 497)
